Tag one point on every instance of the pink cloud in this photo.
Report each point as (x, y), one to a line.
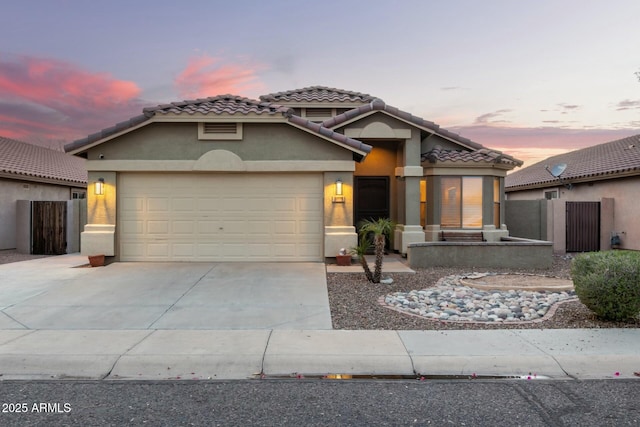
(206, 76)
(52, 99)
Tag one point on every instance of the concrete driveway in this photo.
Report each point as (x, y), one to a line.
(54, 293)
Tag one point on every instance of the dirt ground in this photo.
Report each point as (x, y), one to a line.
(527, 282)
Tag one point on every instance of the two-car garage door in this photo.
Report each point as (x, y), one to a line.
(220, 217)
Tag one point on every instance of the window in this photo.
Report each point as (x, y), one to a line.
(551, 194)
(496, 202)
(423, 202)
(220, 130)
(461, 202)
(78, 194)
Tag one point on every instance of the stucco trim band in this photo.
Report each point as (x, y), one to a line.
(249, 166)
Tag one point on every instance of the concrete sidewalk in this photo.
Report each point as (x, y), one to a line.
(241, 354)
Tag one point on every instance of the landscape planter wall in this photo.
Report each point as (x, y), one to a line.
(509, 253)
(343, 260)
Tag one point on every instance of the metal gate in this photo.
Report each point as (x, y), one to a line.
(583, 226)
(48, 228)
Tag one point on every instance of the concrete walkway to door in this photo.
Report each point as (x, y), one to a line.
(47, 294)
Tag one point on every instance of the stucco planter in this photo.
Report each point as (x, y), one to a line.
(343, 260)
(96, 260)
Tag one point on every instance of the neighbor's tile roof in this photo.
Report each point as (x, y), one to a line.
(478, 153)
(32, 161)
(218, 105)
(317, 94)
(608, 160)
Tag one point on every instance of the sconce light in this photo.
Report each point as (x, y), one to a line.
(99, 189)
(339, 197)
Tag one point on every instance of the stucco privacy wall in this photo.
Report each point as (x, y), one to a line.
(511, 254)
(619, 215)
(527, 218)
(13, 190)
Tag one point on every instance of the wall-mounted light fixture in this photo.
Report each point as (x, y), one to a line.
(99, 188)
(338, 197)
(338, 187)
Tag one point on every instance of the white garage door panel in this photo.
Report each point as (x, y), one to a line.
(217, 217)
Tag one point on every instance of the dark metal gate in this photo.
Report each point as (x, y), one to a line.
(583, 226)
(48, 228)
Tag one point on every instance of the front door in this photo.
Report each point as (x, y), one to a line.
(371, 198)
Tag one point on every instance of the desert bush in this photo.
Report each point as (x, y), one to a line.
(608, 283)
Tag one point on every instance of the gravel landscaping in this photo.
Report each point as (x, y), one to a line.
(11, 255)
(355, 303)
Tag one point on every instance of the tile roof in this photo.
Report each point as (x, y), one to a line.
(603, 161)
(483, 155)
(317, 94)
(219, 105)
(32, 162)
(479, 152)
(222, 104)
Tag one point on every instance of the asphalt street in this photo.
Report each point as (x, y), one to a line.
(306, 402)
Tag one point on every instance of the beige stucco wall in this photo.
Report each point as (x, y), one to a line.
(626, 209)
(13, 190)
(179, 141)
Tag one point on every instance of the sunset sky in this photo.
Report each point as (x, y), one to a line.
(531, 78)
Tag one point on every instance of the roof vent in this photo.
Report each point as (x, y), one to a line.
(219, 130)
(318, 113)
(216, 128)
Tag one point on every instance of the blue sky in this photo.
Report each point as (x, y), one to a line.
(532, 78)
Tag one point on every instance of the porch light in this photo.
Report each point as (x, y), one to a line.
(338, 197)
(99, 188)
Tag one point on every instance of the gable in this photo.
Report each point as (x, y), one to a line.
(224, 109)
(179, 141)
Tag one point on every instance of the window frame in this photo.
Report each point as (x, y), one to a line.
(460, 200)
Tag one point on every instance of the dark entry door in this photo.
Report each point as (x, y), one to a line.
(48, 228)
(372, 197)
(583, 226)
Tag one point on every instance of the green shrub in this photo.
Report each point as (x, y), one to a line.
(608, 283)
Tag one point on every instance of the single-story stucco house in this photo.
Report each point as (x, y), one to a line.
(588, 197)
(287, 177)
(34, 173)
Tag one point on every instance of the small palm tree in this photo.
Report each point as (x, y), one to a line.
(381, 229)
(361, 250)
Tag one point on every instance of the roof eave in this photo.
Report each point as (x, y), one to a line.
(43, 180)
(360, 152)
(575, 180)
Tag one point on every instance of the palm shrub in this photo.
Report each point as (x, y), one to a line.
(381, 229)
(608, 283)
(361, 250)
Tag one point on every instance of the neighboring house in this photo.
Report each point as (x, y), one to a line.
(286, 177)
(592, 200)
(30, 172)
